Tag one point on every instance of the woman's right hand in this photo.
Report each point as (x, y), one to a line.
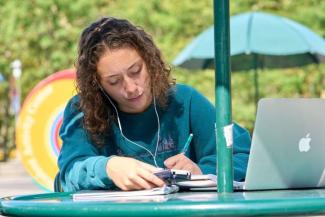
(131, 174)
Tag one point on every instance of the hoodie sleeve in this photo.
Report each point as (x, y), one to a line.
(80, 163)
(202, 115)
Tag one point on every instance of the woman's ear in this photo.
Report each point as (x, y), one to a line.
(94, 83)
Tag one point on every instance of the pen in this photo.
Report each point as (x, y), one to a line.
(187, 144)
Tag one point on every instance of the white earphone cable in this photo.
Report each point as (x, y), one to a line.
(120, 127)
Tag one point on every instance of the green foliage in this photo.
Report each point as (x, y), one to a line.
(295, 82)
(307, 12)
(171, 23)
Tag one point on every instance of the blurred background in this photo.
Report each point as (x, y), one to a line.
(39, 37)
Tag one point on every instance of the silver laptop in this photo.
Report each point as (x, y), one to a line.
(288, 145)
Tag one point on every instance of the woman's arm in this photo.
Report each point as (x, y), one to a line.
(202, 115)
(81, 165)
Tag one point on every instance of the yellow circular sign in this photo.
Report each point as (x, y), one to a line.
(38, 125)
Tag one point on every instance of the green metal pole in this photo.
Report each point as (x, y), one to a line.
(223, 95)
(257, 95)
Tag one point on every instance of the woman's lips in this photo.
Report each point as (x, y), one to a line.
(135, 98)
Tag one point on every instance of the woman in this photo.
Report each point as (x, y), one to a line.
(129, 118)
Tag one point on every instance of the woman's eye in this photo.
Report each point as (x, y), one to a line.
(113, 82)
(135, 72)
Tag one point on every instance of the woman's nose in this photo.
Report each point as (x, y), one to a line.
(130, 86)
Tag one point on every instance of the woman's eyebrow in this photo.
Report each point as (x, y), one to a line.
(130, 67)
(111, 76)
(137, 62)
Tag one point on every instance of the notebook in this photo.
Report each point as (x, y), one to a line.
(205, 182)
(188, 182)
(288, 145)
(106, 195)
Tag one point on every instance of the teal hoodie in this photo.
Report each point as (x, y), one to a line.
(83, 165)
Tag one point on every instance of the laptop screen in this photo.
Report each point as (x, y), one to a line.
(288, 145)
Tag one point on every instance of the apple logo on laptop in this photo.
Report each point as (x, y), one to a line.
(304, 143)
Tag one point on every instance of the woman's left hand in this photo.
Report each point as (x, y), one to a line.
(181, 162)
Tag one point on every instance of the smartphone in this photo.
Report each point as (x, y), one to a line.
(181, 174)
(172, 176)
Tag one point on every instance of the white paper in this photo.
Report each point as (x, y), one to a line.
(205, 182)
(228, 133)
(134, 195)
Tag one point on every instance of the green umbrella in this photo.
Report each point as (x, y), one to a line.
(258, 40)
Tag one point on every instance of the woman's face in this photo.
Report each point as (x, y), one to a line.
(124, 76)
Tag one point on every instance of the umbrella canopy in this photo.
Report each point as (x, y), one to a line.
(271, 37)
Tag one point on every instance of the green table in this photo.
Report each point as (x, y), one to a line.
(280, 202)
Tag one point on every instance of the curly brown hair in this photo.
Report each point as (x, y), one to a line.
(113, 33)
